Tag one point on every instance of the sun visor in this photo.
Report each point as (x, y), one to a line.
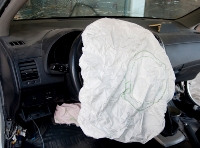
(128, 81)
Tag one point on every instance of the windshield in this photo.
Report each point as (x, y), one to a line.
(167, 9)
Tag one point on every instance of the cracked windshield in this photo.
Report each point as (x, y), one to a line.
(167, 9)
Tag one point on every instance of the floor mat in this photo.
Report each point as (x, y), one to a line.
(65, 136)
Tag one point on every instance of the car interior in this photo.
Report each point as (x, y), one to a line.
(39, 70)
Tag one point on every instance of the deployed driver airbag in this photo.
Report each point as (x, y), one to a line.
(128, 81)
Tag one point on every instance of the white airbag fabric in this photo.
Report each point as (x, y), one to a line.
(128, 81)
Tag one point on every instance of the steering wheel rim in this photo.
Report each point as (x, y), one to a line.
(73, 64)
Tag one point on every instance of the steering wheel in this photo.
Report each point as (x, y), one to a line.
(74, 69)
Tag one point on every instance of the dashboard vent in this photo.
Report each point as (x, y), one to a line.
(14, 43)
(28, 70)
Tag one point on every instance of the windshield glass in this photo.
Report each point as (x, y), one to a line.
(167, 9)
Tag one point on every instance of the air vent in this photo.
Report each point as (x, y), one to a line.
(14, 43)
(28, 70)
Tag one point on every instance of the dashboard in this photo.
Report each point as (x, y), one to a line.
(34, 59)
